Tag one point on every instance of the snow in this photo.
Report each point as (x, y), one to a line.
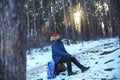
(103, 57)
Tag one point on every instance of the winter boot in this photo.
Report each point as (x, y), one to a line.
(71, 73)
(85, 69)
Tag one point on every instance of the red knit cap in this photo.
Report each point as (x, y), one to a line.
(54, 36)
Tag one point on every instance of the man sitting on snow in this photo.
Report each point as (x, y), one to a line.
(60, 55)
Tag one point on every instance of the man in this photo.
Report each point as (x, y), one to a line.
(60, 55)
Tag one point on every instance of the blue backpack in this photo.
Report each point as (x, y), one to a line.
(50, 70)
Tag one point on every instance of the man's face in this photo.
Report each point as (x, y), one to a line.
(58, 37)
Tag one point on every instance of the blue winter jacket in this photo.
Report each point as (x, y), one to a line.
(58, 50)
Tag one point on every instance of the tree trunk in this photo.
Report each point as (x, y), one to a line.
(34, 17)
(106, 27)
(65, 21)
(72, 21)
(53, 14)
(90, 17)
(115, 11)
(12, 55)
(28, 20)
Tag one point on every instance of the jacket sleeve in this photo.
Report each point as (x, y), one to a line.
(57, 50)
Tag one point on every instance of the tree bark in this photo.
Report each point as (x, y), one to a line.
(65, 21)
(115, 11)
(12, 55)
(72, 24)
(34, 18)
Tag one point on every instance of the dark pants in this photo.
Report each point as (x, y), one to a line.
(68, 60)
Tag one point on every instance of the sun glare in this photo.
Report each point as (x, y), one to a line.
(77, 19)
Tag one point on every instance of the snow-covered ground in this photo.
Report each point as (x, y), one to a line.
(103, 56)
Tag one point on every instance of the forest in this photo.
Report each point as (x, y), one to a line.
(28, 24)
(74, 20)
